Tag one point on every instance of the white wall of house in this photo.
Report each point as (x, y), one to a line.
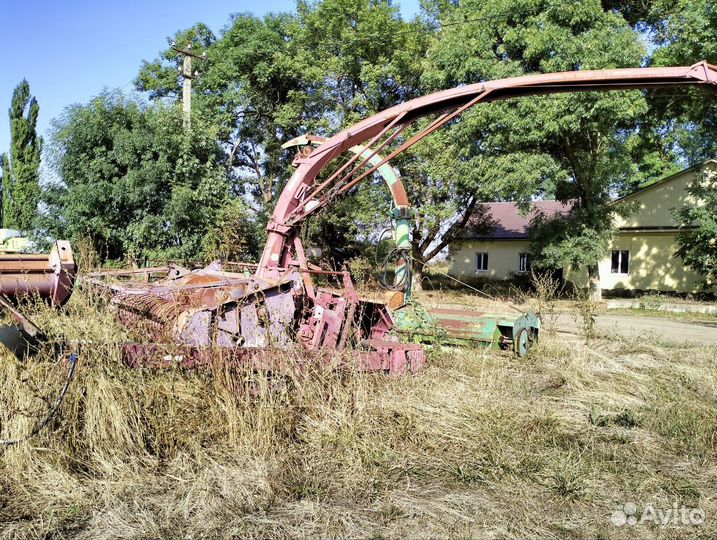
(503, 258)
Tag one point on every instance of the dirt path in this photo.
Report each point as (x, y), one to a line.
(640, 327)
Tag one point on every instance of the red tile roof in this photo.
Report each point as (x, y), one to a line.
(506, 219)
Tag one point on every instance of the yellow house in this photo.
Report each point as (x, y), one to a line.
(502, 251)
(641, 257)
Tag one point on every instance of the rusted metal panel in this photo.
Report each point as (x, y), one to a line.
(248, 320)
(50, 276)
(387, 356)
(23, 338)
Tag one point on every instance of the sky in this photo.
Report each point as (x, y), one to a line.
(69, 50)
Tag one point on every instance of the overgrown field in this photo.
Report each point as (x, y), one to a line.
(481, 444)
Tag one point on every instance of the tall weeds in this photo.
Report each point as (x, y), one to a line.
(584, 313)
(479, 444)
(548, 290)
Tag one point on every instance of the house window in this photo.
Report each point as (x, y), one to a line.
(620, 261)
(524, 263)
(481, 262)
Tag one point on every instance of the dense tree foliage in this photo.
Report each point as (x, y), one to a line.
(698, 235)
(681, 124)
(21, 167)
(581, 142)
(365, 59)
(267, 80)
(132, 182)
(247, 88)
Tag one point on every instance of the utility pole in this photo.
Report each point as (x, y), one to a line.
(187, 77)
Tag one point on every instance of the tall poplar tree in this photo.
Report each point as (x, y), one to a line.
(20, 182)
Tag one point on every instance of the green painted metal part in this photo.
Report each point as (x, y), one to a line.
(401, 216)
(447, 326)
(463, 327)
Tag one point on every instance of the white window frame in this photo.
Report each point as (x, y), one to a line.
(521, 255)
(485, 259)
(619, 262)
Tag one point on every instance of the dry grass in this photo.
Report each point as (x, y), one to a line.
(481, 444)
(684, 316)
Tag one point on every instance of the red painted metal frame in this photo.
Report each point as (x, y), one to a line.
(384, 356)
(293, 205)
(193, 318)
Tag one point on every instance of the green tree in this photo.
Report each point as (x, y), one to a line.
(698, 235)
(360, 57)
(4, 165)
(160, 77)
(133, 182)
(20, 179)
(588, 136)
(270, 79)
(681, 126)
(684, 32)
(259, 93)
(250, 88)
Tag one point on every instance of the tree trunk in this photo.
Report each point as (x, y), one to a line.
(594, 288)
(416, 275)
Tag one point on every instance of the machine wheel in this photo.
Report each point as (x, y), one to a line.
(521, 343)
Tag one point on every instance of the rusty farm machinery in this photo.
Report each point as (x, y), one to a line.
(286, 302)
